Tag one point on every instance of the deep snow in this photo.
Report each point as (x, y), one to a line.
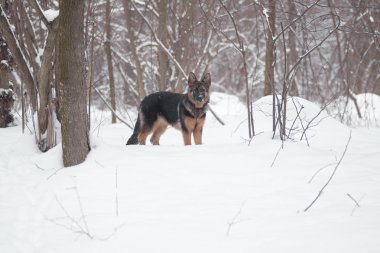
(228, 195)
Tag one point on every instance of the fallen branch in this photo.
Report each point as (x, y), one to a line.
(332, 175)
(110, 107)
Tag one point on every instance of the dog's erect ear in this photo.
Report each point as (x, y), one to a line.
(207, 79)
(192, 79)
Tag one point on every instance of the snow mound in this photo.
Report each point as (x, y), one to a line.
(305, 121)
(224, 104)
(345, 111)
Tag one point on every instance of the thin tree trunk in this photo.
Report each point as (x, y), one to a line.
(6, 94)
(132, 45)
(292, 59)
(163, 59)
(269, 55)
(75, 141)
(107, 45)
(44, 76)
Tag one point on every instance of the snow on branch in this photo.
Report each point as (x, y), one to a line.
(51, 15)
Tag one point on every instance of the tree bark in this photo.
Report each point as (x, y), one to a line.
(269, 55)
(6, 94)
(75, 141)
(132, 45)
(44, 77)
(292, 40)
(107, 45)
(19, 58)
(163, 59)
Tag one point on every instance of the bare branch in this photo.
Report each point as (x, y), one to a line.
(332, 175)
(110, 107)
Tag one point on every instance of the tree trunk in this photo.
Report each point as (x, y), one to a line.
(269, 55)
(107, 45)
(292, 59)
(75, 141)
(44, 77)
(132, 45)
(163, 60)
(6, 94)
(18, 57)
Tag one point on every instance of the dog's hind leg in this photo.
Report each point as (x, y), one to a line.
(159, 128)
(144, 132)
(133, 140)
(155, 139)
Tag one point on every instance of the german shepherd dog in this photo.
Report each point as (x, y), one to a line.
(185, 112)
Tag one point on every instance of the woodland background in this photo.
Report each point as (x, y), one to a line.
(318, 50)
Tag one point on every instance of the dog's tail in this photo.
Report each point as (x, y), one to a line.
(133, 140)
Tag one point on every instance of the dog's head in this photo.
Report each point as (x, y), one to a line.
(198, 91)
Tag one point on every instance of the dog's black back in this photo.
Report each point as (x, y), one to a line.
(163, 104)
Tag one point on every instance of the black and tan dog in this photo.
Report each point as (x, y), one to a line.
(186, 112)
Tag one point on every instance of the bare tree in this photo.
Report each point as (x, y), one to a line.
(163, 59)
(132, 45)
(24, 36)
(75, 140)
(270, 48)
(6, 94)
(107, 45)
(292, 43)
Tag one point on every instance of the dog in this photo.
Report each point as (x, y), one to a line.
(185, 112)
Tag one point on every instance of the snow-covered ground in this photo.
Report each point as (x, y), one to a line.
(229, 195)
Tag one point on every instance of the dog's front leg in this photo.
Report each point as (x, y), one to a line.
(198, 130)
(198, 136)
(186, 137)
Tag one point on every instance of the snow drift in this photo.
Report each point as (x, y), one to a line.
(229, 195)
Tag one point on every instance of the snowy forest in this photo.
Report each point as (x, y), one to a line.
(295, 101)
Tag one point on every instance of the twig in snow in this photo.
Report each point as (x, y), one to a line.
(234, 221)
(81, 210)
(319, 170)
(55, 172)
(39, 167)
(278, 151)
(316, 116)
(332, 175)
(250, 140)
(298, 116)
(101, 165)
(356, 202)
(75, 227)
(112, 234)
(303, 128)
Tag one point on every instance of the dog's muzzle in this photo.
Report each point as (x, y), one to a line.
(200, 97)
